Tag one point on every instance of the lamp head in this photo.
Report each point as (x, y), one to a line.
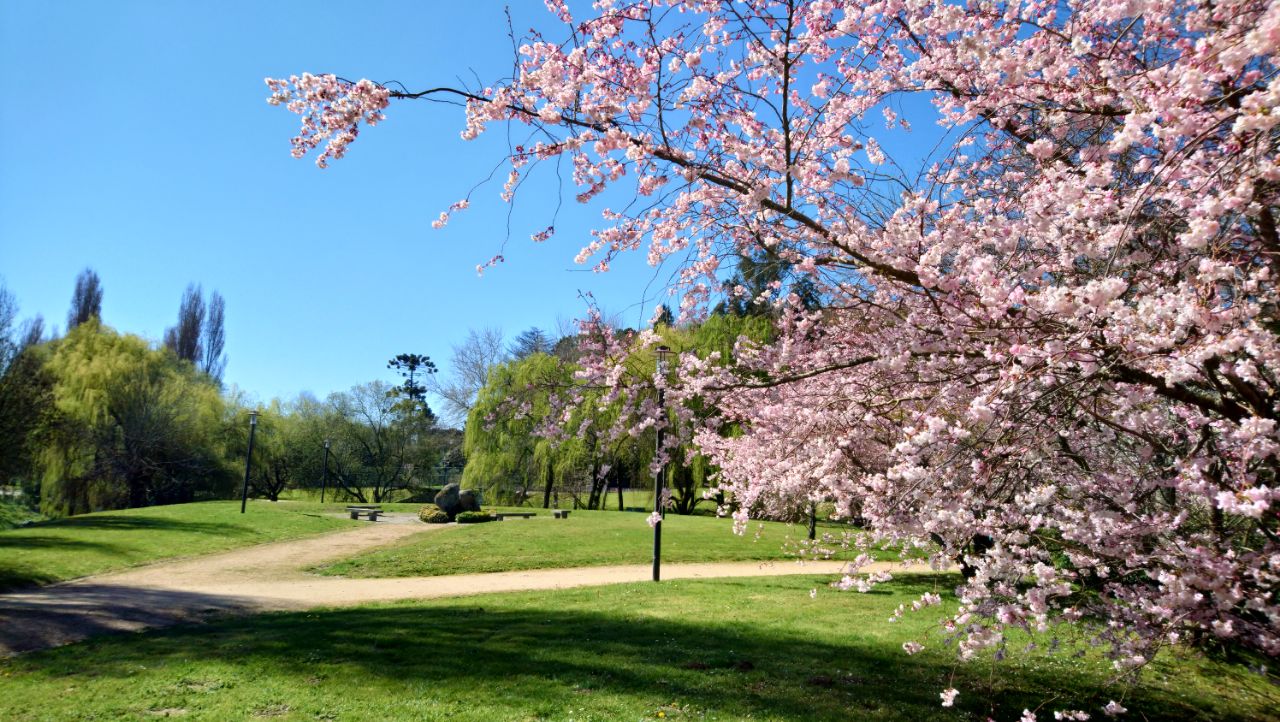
(664, 356)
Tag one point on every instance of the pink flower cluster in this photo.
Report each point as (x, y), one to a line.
(331, 109)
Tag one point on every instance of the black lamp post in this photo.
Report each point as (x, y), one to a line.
(248, 460)
(659, 483)
(324, 480)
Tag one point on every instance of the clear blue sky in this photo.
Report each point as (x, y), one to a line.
(135, 139)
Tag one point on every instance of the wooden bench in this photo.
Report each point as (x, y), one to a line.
(371, 511)
(560, 513)
(522, 514)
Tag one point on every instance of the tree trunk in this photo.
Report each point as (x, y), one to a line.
(593, 500)
(979, 546)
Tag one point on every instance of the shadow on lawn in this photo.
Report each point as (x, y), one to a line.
(40, 618)
(141, 522)
(48, 541)
(541, 661)
(14, 574)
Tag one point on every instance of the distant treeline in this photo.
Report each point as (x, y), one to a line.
(97, 419)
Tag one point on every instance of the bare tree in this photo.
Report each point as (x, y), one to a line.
(31, 332)
(8, 327)
(185, 339)
(214, 360)
(86, 301)
(373, 447)
(469, 369)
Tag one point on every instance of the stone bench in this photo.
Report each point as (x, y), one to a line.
(522, 514)
(371, 511)
(560, 513)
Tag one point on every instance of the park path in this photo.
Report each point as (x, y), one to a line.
(272, 577)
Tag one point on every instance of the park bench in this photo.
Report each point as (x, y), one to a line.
(522, 514)
(372, 511)
(560, 513)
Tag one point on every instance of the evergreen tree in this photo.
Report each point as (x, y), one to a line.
(412, 367)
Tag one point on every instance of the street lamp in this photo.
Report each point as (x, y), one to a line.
(659, 483)
(248, 460)
(324, 481)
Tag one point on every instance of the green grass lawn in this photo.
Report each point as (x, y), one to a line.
(91, 543)
(587, 538)
(699, 650)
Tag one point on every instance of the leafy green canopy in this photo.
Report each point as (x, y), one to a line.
(534, 427)
(132, 426)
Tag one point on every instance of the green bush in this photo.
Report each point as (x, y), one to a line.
(13, 514)
(473, 517)
(432, 514)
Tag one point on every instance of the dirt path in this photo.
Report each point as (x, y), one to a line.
(271, 577)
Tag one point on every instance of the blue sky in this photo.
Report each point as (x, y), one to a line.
(135, 139)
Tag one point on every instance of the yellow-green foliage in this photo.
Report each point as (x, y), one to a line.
(504, 455)
(507, 458)
(133, 426)
(432, 514)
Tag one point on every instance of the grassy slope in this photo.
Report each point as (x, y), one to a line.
(587, 538)
(73, 547)
(713, 650)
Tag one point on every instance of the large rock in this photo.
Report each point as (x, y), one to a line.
(449, 500)
(453, 500)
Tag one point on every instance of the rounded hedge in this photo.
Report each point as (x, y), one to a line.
(433, 515)
(473, 517)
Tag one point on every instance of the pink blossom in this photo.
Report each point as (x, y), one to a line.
(1046, 355)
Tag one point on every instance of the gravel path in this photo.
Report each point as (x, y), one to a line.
(271, 577)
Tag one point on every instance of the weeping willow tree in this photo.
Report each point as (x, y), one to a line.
(133, 426)
(506, 457)
(689, 473)
(510, 456)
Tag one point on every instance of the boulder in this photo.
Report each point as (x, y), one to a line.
(469, 500)
(449, 500)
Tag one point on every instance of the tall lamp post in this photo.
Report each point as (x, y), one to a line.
(659, 482)
(248, 460)
(324, 480)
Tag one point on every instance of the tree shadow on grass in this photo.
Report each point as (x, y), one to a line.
(17, 577)
(16, 574)
(49, 541)
(541, 660)
(40, 618)
(140, 522)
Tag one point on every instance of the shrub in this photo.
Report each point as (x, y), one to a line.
(14, 514)
(432, 514)
(472, 517)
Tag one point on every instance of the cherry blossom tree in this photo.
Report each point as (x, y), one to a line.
(1046, 344)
